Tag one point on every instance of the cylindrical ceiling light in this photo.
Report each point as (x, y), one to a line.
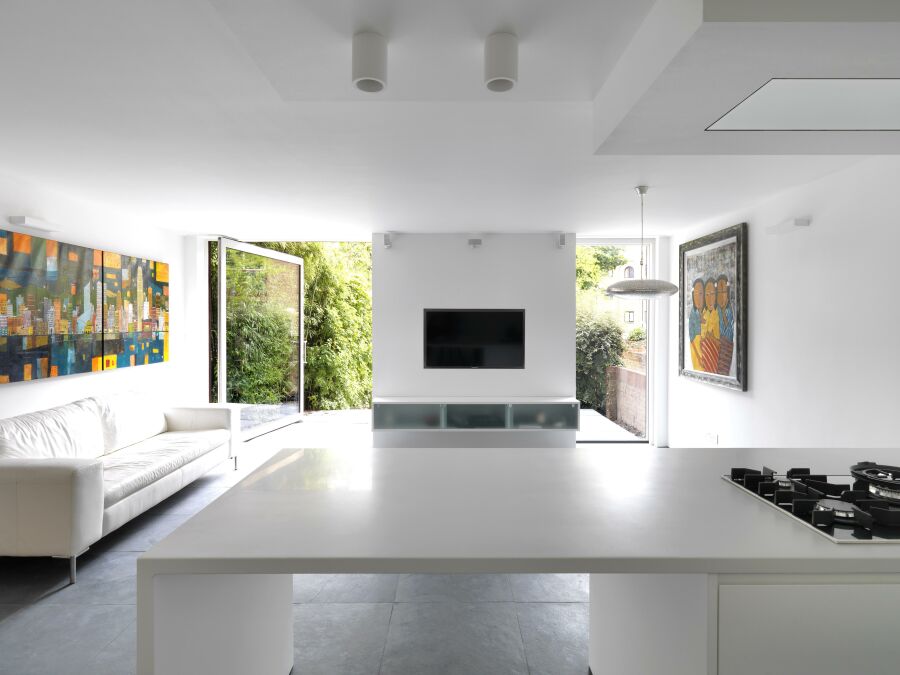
(369, 61)
(501, 61)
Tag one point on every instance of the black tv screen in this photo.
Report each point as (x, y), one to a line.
(474, 338)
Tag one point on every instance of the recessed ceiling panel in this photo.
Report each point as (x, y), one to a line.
(820, 104)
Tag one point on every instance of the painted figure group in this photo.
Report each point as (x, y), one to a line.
(711, 326)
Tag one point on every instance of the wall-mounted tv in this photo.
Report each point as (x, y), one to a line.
(474, 338)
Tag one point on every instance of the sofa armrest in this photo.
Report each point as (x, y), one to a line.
(212, 416)
(50, 506)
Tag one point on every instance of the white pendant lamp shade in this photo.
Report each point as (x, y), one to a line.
(369, 62)
(501, 61)
(642, 289)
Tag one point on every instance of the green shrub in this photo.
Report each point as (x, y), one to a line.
(259, 345)
(599, 344)
(337, 314)
(637, 335)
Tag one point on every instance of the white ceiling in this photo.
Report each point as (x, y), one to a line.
(723, 63)
(237, 117)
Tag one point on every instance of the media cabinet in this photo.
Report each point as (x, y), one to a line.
(475, 421)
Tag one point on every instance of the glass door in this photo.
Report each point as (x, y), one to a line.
(260, 335)
(612, 335)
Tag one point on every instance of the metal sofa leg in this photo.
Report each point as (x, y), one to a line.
(72, 563)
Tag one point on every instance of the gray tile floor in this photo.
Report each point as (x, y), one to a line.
(343, 624)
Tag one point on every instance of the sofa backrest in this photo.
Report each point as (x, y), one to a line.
(71, 430)
(129, 419)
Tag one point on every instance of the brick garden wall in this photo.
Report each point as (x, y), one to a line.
(626, 398)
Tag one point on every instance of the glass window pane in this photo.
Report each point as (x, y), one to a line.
(263, 316)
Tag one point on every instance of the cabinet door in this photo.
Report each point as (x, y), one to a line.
(851, 629)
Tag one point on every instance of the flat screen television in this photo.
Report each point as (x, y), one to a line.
(474, 338)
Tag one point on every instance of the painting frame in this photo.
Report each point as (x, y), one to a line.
(738, 291)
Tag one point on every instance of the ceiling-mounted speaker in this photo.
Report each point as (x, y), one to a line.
(501, 61)
(369, 62)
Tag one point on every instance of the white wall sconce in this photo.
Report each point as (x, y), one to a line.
(501, 61)
(369, 62)
(475, 242)
(561, 239)
(31, 225)
(387, 239)
(789, 225)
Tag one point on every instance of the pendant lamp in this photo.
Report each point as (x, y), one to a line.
(643, 288)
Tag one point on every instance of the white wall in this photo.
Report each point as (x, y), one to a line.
(508, 272)
(823, 326)
(87, 224)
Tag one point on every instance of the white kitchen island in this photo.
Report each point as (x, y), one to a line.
(688, 574)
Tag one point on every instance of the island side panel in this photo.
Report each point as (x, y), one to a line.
(229, 624)
(651, 623)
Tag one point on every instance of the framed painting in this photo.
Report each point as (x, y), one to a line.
(712, 317)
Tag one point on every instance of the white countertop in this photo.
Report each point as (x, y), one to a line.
(608, 508)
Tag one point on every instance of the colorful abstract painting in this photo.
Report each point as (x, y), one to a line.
(67, 309)
(135, 311)
(713, 308)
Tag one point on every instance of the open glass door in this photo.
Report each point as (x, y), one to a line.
(260, 335)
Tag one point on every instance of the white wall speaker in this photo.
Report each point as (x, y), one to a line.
(789, 225)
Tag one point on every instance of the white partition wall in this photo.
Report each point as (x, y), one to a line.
(510, 271)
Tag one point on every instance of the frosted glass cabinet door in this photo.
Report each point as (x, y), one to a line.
(406, 416)
(809, 629)
(476, 415)
(544, 415)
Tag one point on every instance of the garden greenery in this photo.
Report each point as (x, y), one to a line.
(337, 312)
(598, 345)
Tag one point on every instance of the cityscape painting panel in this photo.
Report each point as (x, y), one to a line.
(67, 309)
(135, 311)
(49, 297)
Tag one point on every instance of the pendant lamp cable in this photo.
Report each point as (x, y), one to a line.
(642, 235)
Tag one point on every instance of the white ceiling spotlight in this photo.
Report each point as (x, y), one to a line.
(369, 61)
(501, 61)
(643, 288)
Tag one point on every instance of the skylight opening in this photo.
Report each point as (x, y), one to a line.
(817, 104)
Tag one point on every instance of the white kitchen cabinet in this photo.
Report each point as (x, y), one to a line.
(809, 629)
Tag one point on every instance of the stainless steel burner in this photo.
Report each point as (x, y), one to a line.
(842, 510)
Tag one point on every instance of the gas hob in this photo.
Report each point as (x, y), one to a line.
(860, 508)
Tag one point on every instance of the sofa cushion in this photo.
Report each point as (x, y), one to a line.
(71, 430)
(137, 466)
(131, 418)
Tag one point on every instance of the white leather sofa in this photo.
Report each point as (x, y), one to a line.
(72, 474)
